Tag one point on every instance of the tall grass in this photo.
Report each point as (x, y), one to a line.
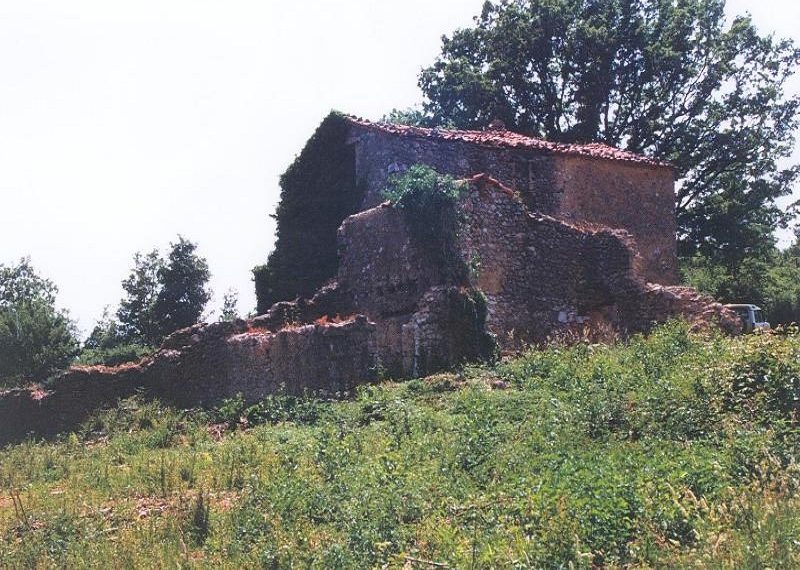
(670, 450)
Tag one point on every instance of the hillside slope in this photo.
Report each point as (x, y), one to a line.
(674, 450)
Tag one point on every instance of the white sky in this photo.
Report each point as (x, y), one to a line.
(123, 124)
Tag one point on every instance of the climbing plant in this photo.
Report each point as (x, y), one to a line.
(428, 201)
(318, 191)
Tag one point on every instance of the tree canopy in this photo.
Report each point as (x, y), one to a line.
(667, 78)
(183, 292)
(36, 338)
(136, 315)
(162, 295)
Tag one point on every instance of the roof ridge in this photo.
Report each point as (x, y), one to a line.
(509, 139)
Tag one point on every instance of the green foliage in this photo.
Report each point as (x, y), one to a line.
(230, 410)
(421, 187)
(672, 450)
(770, 279)
(108, 344)
(162, 296)
(182, 293)
(135, 314)
(273, 409)
(279, 408)
(36, 339)
(318, 191)
(428, 201)
(113, 355)
(668, 79)
(412, 116)
(230, 303)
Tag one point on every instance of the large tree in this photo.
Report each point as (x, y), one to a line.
(36, 338)
(137, 322)
(667, 78)
(183, 292)
(162, 295)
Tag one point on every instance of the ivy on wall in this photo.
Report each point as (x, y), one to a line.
(429, 201)
(318, 191)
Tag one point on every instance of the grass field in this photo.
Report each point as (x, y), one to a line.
(677, 450)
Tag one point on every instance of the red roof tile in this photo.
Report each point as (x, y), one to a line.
(500, 138)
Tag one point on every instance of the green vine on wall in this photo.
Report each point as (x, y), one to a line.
(429, 202)
(318, 191)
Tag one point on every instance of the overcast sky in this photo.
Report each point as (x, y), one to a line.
(123, 124)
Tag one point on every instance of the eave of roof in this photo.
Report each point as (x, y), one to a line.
(500, 138)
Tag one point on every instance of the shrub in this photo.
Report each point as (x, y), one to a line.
(114, 355)
(428, 201)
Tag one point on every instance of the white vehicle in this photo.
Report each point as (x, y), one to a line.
(751, 315)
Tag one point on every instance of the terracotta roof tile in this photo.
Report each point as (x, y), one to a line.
(509, 139)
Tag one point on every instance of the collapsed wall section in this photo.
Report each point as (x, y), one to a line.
(541, 274)
(201, 366)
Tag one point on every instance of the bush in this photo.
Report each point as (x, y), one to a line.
(428, 201)
(115, 355)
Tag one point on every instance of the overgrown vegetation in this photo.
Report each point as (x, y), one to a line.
(428, 201)
(318, 191)
(676, 450)
(161, 296)
(769, 278)
(675, 80)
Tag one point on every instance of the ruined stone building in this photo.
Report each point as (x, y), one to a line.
(345, 166)
(549, 237)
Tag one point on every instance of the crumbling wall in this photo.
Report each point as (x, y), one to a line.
(638, 198)
(345, 166)
(541, 274)
(380, 154)
(538, 273)
(658, 303)
(201, 366)
(424, 320)
(524, 276)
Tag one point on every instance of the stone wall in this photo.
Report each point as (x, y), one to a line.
(378, 155)
(637, 198)
(424, 320)
(525, 277)
(547, 243)
(541, 274)
(354, 159)
(201, 366)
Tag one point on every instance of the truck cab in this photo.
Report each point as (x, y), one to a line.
(751, 316)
